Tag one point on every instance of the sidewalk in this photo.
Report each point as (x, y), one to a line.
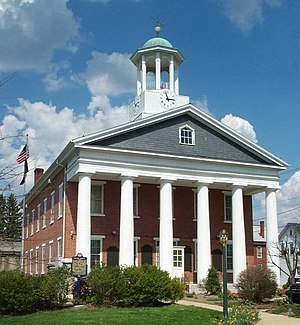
(265, 318)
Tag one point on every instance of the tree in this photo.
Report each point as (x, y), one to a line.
(10, 218)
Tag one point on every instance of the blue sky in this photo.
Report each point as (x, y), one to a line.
(72, 75)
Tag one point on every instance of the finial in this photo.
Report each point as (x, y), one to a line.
(158, 26)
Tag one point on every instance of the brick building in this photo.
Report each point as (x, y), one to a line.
(156, 190)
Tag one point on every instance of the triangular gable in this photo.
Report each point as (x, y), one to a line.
(160, 134)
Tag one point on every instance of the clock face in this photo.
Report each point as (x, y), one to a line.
(135, 105)
(167, 98)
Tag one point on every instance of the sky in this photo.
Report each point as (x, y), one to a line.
(65, 71)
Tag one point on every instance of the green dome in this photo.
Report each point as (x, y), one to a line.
(157, 41)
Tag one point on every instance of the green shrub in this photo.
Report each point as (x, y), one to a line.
(256, 284)
(212, 283)
(53, 288)
(106, 284)
(18, 293)
(133, 286)
(21, 293)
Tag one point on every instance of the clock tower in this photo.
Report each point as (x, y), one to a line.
(157, 64)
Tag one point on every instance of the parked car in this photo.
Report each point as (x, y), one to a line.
(293, 292)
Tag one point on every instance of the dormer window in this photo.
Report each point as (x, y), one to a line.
(186, 135)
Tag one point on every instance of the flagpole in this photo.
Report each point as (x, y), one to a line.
(23, 217)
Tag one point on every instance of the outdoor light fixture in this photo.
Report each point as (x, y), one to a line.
(223, 235)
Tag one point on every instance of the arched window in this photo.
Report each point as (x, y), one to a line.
(147, 254)
(217, 259)
(186, 135)
(187, 258)
(112, 256)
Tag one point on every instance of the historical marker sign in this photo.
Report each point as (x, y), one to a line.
(79, 265)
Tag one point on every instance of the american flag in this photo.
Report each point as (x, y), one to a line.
(23, 155)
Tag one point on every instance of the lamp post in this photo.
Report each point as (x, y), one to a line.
(224, 240)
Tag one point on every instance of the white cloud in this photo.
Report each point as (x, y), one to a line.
(289, 200)
(110, 75)
(30, 31)
(240, 125)
(202, 104)
(49, 130)
(247, 14)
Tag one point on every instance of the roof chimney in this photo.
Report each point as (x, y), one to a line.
(262, 229)
(38, 173)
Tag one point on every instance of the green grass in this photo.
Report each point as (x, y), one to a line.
(170, 314)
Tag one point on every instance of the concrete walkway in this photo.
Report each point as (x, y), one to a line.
(265, 318)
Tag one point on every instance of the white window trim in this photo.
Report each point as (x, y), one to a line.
(37, 253)
(30, 260)
(136, 187)
(45, 205)
(227, 193)
(59, 242)
(193, 135)
(50, 258)
(60, 200)
(27, 226)
(99, 183)
(99, 237)
(136, 246)
(38, 217)
(43, 259)
(259, 252)
(32, 222)
(52, 207)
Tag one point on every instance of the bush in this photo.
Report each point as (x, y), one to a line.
(18, 293)
(21, 293)
(53, 288)
(107, 286)
(212, 283)
(256, 284)
(133, 286)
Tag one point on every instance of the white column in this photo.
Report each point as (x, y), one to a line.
(176, 79)
(83, 229)
(203, 233)
(144, 73)
(157, 71)
(238, 232)
(272, 232)
(138, 81)
(166, 227)
(126, 223)
(171, 74)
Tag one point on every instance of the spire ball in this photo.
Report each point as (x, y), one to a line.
(157, 30)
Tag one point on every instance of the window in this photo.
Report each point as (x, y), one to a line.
(59, 247)
(50, 251)
(229, 257)
(97, 196)
(38, 217)
(177, 257)
(52, 197)
(27, 223)
(195, 205)
(227, 207)
(298, 271)
(186, 135)
(135, 200)
(43, 258)
(135, 250)
(26, 262)
(44, 213)
(96, 250)
(36, 260)
(259, 252)
(32, 223)
(60, 200)
(30, 261)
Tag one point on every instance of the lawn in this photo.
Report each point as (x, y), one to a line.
(170, 314)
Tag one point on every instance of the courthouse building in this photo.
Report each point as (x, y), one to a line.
(155, 190)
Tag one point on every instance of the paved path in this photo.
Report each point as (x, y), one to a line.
(265, 318)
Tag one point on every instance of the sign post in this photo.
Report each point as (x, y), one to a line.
(79, 269)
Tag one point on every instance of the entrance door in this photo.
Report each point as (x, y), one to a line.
(178, 261)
